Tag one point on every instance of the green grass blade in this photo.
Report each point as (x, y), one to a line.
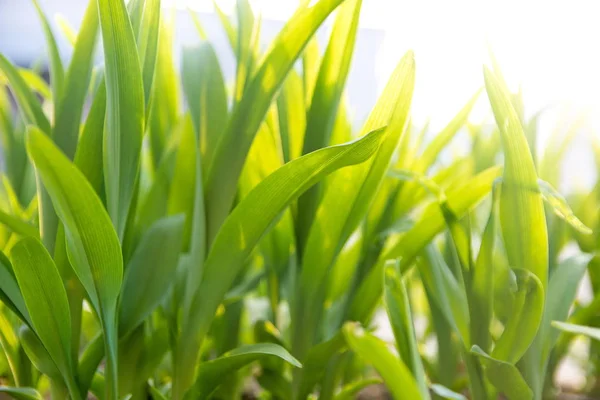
(399, 313)
(21, 393)
(522, 326)
(522, 215)
(227, 26)
(504, 376)
(394, 373)
(30, 108)
(197, 24)
(148, 45)
(292, 116)
(561, 208)
(482, 282)
(77, 81)
(57, 73)
(88, 157)
(10, 293)
(92, 244)
(206, 95)
(66, 29)
(17, 225)
(247, 224)
(124, 110)
(149, 272)
(46, 300)
(212, 373)
(248, 114)
(588, 331)
(37, 353)
(321, 116)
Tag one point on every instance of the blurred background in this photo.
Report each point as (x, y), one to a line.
(549, 49)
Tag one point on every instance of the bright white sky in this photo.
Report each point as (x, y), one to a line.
(550, 48)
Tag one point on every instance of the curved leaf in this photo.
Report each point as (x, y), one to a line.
(46, 300)
(212, 373)
(394, 373)
(21, 393)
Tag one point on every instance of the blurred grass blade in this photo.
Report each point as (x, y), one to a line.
(197, 24)
(206, 95)
(561, 208)
(248, 114)
(10, 293)
(504, 376)
(399, 313)
(212, 373)
(92, 244)
(77, 80)
(30, 108)
(46, 300)
(246, 225)
(37, 353)
(482, 281)
(149, 272)
(588, 331)
(88, 156)
(17, 225)
(124, 110)
(316, 363)
(57, 72)
(21, 393)
(446, 393)
(227, 26)
(292, 116)
(394, 373)
(351, 390)
(148, 45)
(66, 29)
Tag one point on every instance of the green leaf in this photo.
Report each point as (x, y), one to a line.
(46, 300)
(504, 376)
(445, 393)
(37, 353)
(248, 114)
(197, 24)
(246, 225)
(204, 88)
(351, 390)
(316, 363)
(212, 373)
(525, 319)
(460, 198)
(588, 331)
(399, 313)
(70, 104)
(10, 293)
(482, 282)
(149, 272)
(21, 393)
(66, 29)
(30, 108)
(92, 243)
(57, 72)
(292, 116)
(88, 156)
(394, 373)
(148, 44)
(124, 110)
(522, 215)
(227, 26)
(17, 225)
(561, 208)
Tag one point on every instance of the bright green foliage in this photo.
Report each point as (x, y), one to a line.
(187, 235)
